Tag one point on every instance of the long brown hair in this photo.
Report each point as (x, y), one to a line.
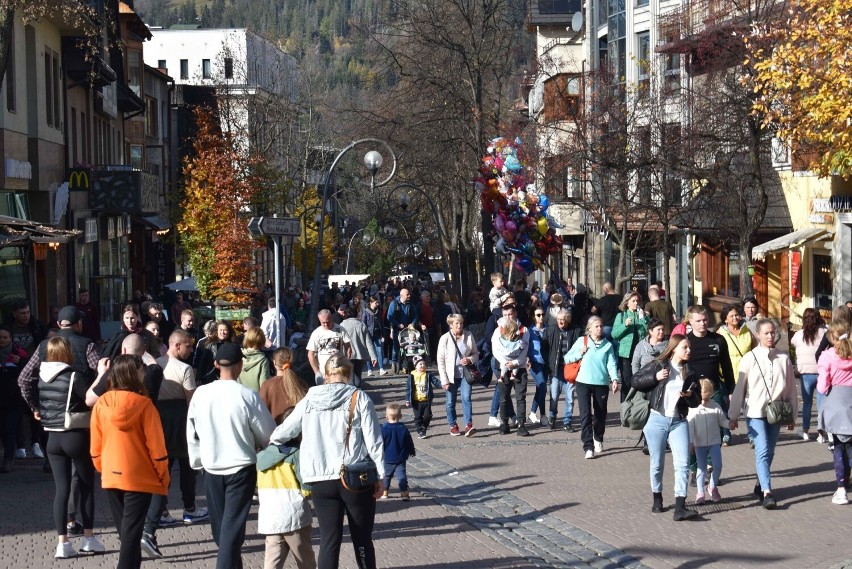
(124, 375)
(838, 329)
(811, 323)
(293, 386)
(667, 353)
(59, 350)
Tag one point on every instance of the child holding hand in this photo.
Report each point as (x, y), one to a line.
(706, 438)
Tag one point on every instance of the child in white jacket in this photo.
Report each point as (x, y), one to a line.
(706, 438)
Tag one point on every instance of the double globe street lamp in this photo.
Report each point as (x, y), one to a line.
(373, 161)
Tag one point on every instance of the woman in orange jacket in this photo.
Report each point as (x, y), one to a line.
(129, 451)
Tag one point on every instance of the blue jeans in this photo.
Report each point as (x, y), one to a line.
(452, 397)
(809, 382)
(397, 469)
(715, 453)
(557, 387)
(765, 436)
(380, 357)
(658, 430)
(537, 372)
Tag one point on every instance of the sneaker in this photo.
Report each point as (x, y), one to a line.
(405, 496)
(469, 430)
(504, 429)
(150, 547)
(454, 430)
(421, 435)
(37, 451)
(758, 491)
(840, 497)
(598, 446)
(769, 502)
(513, 422)
(74, 529)
(545, 420)
(714, 495)
(384, 495)
(699, 499)
(522, 431)
(92, 545)
(196, 515)
(21, 453)
(383, 371)
(493, 422)
(65, 550)
(533, 419)
(167, 521)
(821, 438)
(590, 454)
(370, 373)
(726, 440)
(804, 434)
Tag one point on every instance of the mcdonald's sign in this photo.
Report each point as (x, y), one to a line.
(79, 179)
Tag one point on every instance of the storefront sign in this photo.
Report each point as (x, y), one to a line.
(821, 212)
(795, 274)
(19, 169)
(79, 179)
(232, 313)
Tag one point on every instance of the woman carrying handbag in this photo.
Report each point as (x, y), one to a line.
(766, 394)
(329, 409)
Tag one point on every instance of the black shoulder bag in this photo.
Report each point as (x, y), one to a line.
(361, 475)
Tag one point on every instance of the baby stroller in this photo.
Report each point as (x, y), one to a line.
(412, 342)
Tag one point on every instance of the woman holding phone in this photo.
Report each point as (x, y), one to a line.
(672, 389)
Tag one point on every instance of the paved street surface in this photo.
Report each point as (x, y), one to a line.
(495, 501)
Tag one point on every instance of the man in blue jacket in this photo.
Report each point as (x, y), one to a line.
(401, 313)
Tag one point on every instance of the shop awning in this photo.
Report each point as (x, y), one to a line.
(156, 222)
(187, 284)
(790, 241)
(16, 232)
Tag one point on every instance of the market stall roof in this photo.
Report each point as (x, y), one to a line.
(15, 232)
(790, 241)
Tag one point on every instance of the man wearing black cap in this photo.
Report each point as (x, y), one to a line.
(227, 423)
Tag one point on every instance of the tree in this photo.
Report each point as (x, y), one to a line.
(803, 79)
(307, 209)
(219, 185)
(450, 66)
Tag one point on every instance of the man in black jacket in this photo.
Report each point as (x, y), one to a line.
(555, 344)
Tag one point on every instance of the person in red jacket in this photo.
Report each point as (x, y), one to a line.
(129, 450)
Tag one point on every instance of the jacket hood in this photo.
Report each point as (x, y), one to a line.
(48, 371)
(122, 409)
(330, 395)
(840, 363)
(252, 358)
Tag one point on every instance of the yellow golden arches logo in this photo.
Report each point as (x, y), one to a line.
(78, 180)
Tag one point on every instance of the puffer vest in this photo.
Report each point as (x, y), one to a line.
(53, 400)
(79, 347)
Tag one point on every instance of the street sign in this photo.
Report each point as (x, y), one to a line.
(288, 226)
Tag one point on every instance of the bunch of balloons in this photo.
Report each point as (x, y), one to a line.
(521, 223)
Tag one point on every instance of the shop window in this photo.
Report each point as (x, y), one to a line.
(822, 281)
(184, 69)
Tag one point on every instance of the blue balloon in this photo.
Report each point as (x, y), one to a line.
(543, 202)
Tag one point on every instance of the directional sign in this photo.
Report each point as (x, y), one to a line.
(274, 226)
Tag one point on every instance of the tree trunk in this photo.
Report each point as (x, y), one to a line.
(7, 21)
(746, 281)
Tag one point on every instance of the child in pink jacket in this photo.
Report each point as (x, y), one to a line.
(835, 417)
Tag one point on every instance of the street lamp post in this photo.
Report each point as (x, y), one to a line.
(373, 160)
(402, 208)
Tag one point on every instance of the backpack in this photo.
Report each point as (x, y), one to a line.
(635, 410)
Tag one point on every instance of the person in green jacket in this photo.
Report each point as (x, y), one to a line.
(255, 364)
(629, 328)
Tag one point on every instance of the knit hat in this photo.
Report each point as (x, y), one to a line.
(417, 359)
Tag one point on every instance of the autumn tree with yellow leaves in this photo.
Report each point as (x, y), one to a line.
(219, 186)
(805, 81)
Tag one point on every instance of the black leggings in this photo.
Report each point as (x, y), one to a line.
(331, 501)
(63, 449)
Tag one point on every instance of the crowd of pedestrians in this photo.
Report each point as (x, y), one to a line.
(141, 407)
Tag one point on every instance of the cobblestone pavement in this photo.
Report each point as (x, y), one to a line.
(508, 502)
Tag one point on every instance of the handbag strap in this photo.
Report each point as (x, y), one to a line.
(763, 377)
(352, 401)
(456, 344)
(734, 341)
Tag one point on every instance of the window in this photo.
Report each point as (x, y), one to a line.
(184, 69)
(205, 69)
(55, 75)
(643, 160)
(562, 181)
(229, 68)
(643, 62)
(616, 36)
(11, 85)
(562, 97)
(161, 64)
(134, 71)
(136, 156)
(822, 281)
(152, 120)
(641, 2)
(558, 6)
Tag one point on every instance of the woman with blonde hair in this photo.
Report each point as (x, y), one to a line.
(629, 328)
(255, 364)
(835, 417)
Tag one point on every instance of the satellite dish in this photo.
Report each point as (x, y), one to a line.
(577, 22)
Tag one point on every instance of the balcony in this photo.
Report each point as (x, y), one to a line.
(552, 12)
(120, 189)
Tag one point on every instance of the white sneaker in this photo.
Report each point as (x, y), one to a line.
(840, 497)
(804, 434)
(590, 454)
(65, 550)
(37, 451)
(598, 447)
(493, 422)
(533, 419)
(383, 371)
(92, 545)
(21, 453)
(820, 438)
(370, 373)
